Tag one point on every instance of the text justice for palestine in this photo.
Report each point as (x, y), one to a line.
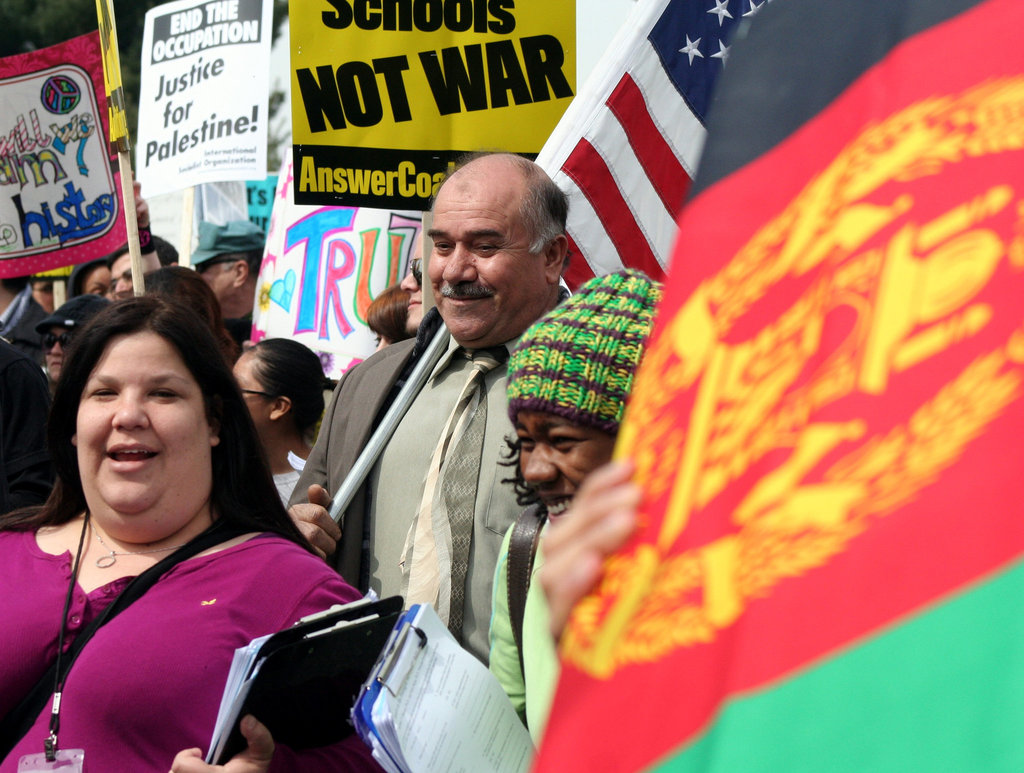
(197, 74)
(211, 129)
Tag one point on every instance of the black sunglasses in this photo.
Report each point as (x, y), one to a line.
(50, 339)
(416, 266)
(257, 392)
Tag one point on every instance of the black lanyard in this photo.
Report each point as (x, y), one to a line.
(50, 744)
(18, 721)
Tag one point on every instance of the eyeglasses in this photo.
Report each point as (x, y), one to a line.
(203, 267)
(416, 266)
(257, 392)
(50, 339)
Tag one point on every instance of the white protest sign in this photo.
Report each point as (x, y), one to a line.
(205, 81)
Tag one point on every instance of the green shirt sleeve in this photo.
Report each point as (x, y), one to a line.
(504, 658)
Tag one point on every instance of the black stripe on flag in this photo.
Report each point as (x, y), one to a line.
(774, 55)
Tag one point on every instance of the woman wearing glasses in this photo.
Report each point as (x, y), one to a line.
(395, 314)
(283, 384)
(413, 284)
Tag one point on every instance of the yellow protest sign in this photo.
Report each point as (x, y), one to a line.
(386, 93)
(112, 75)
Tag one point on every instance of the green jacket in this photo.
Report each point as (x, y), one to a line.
(531, 696)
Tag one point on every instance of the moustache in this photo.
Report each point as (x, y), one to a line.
(465, 290)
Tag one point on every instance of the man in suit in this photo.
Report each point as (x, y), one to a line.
(499, 248)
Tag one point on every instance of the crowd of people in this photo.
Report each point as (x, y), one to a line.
(175, 504)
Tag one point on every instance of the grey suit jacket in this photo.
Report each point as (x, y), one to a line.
(347, 425)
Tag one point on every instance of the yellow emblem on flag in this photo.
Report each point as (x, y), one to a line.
(756, 393)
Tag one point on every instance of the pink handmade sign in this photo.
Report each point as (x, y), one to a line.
(59, 196)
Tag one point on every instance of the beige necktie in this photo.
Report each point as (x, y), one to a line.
(437, 574)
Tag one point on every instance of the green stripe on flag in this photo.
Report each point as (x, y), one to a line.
(942, 692)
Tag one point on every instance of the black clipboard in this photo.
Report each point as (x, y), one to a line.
(309, 675)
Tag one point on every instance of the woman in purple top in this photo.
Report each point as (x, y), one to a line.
(154, 447)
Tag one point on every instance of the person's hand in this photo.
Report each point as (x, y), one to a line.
(599, 521)
(141, 207)
(315, 522)
(255, 759)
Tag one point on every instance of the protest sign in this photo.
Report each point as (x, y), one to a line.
(60, 203)
(384, 99)
(205, 82)
(259, 196)
(321, 269)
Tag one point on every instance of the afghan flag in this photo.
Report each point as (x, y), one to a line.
(828, 423)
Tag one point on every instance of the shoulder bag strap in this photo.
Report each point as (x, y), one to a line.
(14, 726)
(522, 550)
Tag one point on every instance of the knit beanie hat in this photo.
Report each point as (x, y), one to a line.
(578, 361)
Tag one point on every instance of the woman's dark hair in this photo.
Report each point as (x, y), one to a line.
(388, 314)
(183, 285)
(286, 368)
(81, 272)
(526, 495)
(243, 492)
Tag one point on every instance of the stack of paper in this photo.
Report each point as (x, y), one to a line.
(301, 682)
(431, 706)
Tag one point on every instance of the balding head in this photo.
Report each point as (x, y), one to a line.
(499, 247)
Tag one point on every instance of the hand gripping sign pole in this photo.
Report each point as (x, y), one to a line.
(119, 139)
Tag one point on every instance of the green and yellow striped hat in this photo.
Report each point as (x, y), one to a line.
(578, 361)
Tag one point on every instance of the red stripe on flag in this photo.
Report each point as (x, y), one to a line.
(588, 170)
(656, 156)
(931, 518)
(579, 270)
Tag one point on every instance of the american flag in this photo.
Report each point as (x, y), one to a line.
(627, 148)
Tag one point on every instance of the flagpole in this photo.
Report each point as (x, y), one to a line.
(188, 203)
(381, 436)
(420, 373)
(124, 164)
(118, 134)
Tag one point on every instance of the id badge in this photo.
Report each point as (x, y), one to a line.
(68, 761)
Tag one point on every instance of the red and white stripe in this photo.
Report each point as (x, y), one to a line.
(625, 152)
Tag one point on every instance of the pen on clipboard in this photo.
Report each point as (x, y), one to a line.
(399, 661)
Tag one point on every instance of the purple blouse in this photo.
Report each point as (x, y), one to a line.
(149, 682)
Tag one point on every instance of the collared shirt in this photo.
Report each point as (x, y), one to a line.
(397, 487)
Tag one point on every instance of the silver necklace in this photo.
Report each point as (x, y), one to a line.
(107, 561)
